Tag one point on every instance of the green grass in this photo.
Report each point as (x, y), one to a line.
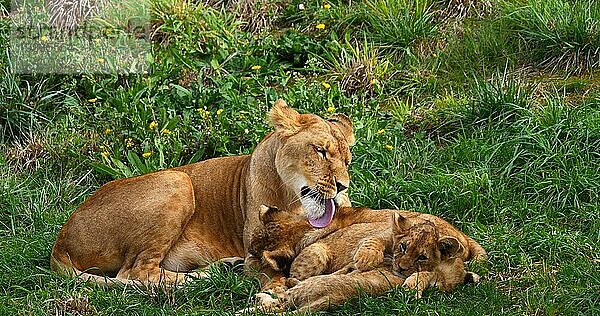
(488, 117)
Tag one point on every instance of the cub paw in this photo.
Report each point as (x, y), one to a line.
(417, 282)
(471, 277)
(291, 282)
(367, 258)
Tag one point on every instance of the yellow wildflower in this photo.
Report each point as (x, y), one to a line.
(220, 111)
(146, 155)
(330, 109)
(92, 100)
(327, 6)
(326, 85)
(129, 142)
(166, 131)
(204, 114)
(374, 81)
(107, 131)
(44, 38)
(101, 146)
(320, 26)
(435, 55)
(381, 131)
(389, 147)
(105, 154)
(100, 60)
(257, 67)
(152, 125)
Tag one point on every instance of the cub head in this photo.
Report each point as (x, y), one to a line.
(275, 242)
(313, 159)
(418, 246)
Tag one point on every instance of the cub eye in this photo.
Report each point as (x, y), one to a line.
(322, 152)
(402, 247)
(422, 258)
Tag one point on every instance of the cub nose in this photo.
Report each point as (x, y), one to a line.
(340, 187)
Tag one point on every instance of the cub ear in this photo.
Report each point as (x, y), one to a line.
(276, 259)
(449, 247)
(266, 213)
(285, 119)
(399, 224)
(345, 125)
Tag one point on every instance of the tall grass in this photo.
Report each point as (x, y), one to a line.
(562, 35)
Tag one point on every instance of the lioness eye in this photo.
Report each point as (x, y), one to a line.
(322, 152)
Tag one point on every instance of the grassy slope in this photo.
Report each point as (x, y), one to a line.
(459, 111)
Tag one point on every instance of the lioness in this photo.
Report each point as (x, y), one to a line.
(152, 227)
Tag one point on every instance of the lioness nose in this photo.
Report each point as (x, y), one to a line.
(340, 187)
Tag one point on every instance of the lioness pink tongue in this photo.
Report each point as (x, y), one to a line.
(326, 219)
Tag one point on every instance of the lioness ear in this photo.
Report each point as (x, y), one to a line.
(449, 247)
(266, 213)
(284, 119)
(400, 224)
(345, 126)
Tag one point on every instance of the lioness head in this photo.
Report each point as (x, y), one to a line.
(313, 159)
(275, 242)
(418, 246)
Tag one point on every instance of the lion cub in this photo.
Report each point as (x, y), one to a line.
(423, 247)
(430, 254)
(281, 243)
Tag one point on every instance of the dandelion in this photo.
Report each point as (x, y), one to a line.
(107, 131)
(105, 154)
(166, 131)
(320, 26)
(100, 60)
(327, 6)
(389, 147)
(257, 67)
(435, 55)
(220, 111)
(204, 114)
(146, 155)
(326, 85)
(330, 109)
(93, 100)
(374, 81)
(381, 131)
(152, 125)
(44, 38)
(129, 142)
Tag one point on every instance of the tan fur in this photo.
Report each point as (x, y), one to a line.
(432, 253)
(361, 239)
(325, 291)
(279, 242)
(152, 227)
